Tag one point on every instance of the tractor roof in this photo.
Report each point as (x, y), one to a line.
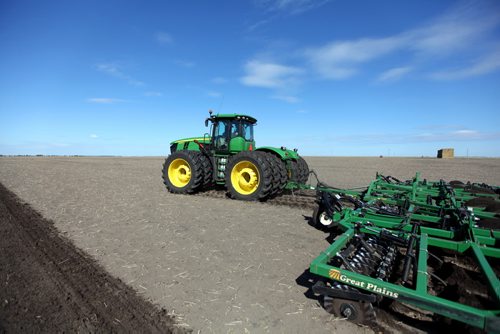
(236, 116)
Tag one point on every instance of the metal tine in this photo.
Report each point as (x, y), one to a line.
(438, 278)
(436, 257)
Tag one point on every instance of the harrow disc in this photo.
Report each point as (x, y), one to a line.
(358, 312)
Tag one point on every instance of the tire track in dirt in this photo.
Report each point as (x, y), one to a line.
(48, 285)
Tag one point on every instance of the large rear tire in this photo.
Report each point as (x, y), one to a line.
(279, 173)
(183, 172)
(299, 170)
(208, 170)
(303, 170)
(249, 176)
(294, 174)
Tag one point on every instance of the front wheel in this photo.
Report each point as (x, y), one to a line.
(183, 172)
(249, 176)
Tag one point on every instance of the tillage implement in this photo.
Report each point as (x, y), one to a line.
(433, 247)
(228, 157)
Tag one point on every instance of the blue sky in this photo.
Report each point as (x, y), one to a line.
(341, 78)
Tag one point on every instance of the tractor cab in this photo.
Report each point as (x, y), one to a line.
(231, 133)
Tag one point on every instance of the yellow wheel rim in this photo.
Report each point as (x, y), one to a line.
(179, 173)
(245, 177)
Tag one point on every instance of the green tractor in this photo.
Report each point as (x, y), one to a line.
(229, 157)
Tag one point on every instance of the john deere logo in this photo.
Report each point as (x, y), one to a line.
(334, 274)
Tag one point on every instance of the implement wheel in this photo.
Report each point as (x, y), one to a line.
(356, 311)
(320, 219)
(183, 172)
(207, 171)
(279, 173)
(249, 176)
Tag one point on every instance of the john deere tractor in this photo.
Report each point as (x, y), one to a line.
(228, 156)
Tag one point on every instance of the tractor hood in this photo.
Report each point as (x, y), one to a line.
(203, 140)
(189, 144)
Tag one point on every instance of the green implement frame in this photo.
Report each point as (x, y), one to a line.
(432, 222)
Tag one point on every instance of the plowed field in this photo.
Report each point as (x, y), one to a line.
(218, 265)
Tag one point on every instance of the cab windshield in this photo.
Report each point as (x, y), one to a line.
(242, 129)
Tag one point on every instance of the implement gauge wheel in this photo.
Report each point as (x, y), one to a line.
(320, 219)
(183, 172)
(356, 311)
(249, 176)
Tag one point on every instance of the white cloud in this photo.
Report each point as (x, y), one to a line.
(104, 100)
(457, 29)
(219, 80)
(484, 65)
(457, 135)
(153, 93)
(394, 74)
(258, 24)
(93, 136)
(110, 69)
(428, 137)
(269, 75)
(340, 60)
(184, 63)
(274, 9)
(290, 6)
(465, 133)
(464, 28)
(164, 38)
(287, 98)
(114, 70)
(214, 94)
(356, 51)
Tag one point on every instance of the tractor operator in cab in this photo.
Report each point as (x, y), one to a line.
(221, 140)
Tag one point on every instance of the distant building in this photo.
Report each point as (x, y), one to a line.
(446, 153)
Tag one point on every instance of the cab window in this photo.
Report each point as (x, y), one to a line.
(221, 134)
(247, 130)
(235, 129)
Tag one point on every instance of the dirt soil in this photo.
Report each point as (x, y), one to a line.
(47, 285)
(218, 265)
